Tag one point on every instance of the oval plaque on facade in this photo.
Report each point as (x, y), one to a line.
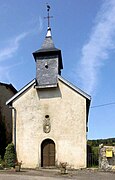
(47, 125)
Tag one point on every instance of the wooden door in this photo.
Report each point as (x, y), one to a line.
(47, 153)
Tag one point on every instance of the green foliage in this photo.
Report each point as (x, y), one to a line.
(107, 142)
(0, 159)
(2, 163)
(10, 156)
(93, 150)
(92, 156)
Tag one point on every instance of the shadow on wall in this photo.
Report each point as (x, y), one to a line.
(48, 93)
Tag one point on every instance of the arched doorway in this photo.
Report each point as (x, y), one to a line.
(47, 153)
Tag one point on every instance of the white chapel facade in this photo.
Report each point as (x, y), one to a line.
(50, 115)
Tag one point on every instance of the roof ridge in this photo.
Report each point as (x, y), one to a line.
(75, 87)
(9, 85)
(21, 91)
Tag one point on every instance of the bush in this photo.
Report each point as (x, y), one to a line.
(10, 156)
(0, 159)
(1, 163)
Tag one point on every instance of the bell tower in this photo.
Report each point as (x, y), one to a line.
(48, 61)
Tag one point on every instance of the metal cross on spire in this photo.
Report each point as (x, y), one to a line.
(48, 17)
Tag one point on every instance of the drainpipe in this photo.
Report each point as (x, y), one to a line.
(14, 133)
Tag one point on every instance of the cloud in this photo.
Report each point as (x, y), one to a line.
(96, 50)
(35, 24)
(12, 44)
(11, 48)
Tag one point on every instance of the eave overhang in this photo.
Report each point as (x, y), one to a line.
(9, 102)
(76, 89)
(41, 53)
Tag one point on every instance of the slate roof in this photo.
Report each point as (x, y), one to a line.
(33, 83)
(48, 44)
(48, 48)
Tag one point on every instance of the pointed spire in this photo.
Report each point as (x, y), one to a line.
(48, 32)
(48, 42)
(48, 48)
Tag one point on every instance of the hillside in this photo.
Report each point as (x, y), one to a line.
(97, 142)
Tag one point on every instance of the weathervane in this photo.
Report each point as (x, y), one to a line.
(48, 17)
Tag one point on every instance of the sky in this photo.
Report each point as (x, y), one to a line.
(84, 30)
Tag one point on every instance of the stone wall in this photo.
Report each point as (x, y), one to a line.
(6, 92)
(106, 157)
(65, 111)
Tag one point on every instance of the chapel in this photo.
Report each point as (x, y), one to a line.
(50, 115)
